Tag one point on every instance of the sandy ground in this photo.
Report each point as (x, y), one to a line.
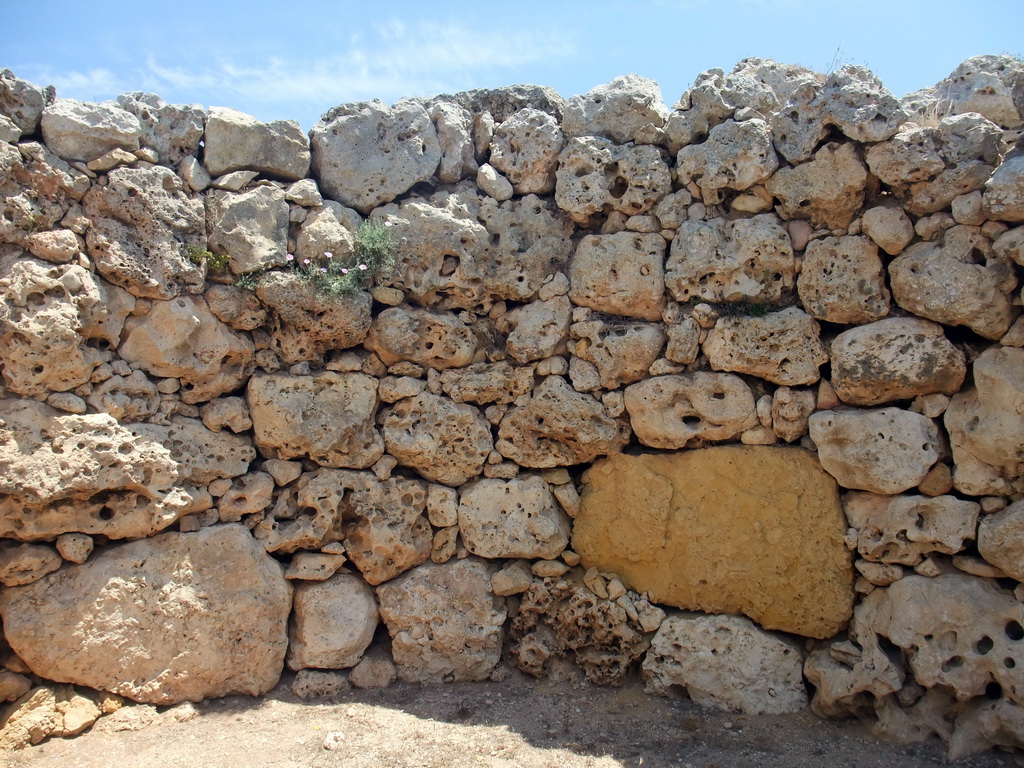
(518, 722)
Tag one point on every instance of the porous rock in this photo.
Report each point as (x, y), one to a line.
(620, 274)
(173, 130)
(25, 563)
(827, 191)
(842, 280)
(619, 110)
(235, 141)
(22, 102)
(126, 398)
(622, 352)
(537, 330)
(250, 227)
(1004, 198)
(735, 156)
(37, 188)
(525, 149)
(890, 228)
(514, 518)
(57, 710)
(483, 383)
(1001, 539)
(433, 339)
(332, 623)
(454, 126)
(789, 412)
(78, 130)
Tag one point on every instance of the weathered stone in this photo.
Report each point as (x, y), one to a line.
(514, 579)
(1001, 539)
(328, 417)
(58, 246)
(783, 347)
(230, 412)
(678, 411)
(982, 84)
(78, 130)
(622, 352)
(23, 102)
(126, 398)
(151, 600)
(517, 518)
(202, 456)
(741, 260)
(790, 410)
(307, 514)
(885, 450)
(619, 110)
(444, 621)
(889, 228)
(525, 149)
(314, 566)
(596, 177)
(375, 671)
(37, 190)
(249, 227)
(842, 280)
(559, 427)
(828, 191)
(235, 306)
(332, 623)
(538, 330)
(173, 130)
(318, 684)
(487, 382)
(249, 494)
(182, 339)
(454, 127)
(1004, 198)
(897, 358)
(728, 663)
(432, 339)
(235, 141)
(906, 529)
(75, 547)
(620, 274)
(493, 183)
(366, 154)
(25, 563)
(672, 524)
(443, 441)
(46, 711)
(735, 156)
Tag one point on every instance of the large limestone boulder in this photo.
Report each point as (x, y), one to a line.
(483, 383)
(897, 358)
(366, 154)
(332, 623)
(731, 529)
(1004, 198)
(537, 330)
(982, 84)
(78, 130)
(182, 339)
(251, 227)
(329, 417)
(235, 141)
(622, 352)
(444, 621)
(191, 615)
(513, 518)
(454, 126)
(37, 189)
(620, 274)
(22, 102)
(1001, 539)
(433, 339)
(620, 110)
(735, 156)
(828, 191)
(525, 149)
(885, 450)
(173, 130)
(842, 280)
(728, 663)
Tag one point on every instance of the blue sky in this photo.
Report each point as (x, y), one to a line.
(292, 60)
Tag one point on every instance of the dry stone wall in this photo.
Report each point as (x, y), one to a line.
(729, 395)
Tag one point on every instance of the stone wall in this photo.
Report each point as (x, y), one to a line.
(730, 393)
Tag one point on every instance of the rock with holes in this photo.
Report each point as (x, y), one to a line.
(741, 260)
(728, 663)
(25, 563)
(37, 189)
(182, 339)
(249, 494)
(251, 227)
(1001, 539)
(329, 417)
(735, 156)
(54, 323)
(790, 410)
(143, 225)
(202, 455)
(443, 441)
(513, 518)
(525, 149)
(366, 154)
(842, 280)
(596, 177)
(173, 130)
(682, 410)
(731, 529)
(79, 130)
(483, 383)
(306, 325)
(557, 427)
(622, 352)
(432, 339)
(307, 514)
(126, 398)
(905, 529)
(230, 412)
(620, 110)
(885, 450)
(828, 191)
(897, 358)
(445, 623)
(235, 141)
(562, 619)
(982, 84)
(235, 306)
(537, 330)
(890, 228)
(783, 347)
(454, 126)
(328, 228)
(986, 426)
(22, 102)
(151, 600)
(620, 274)
(332, 623)
(1004, 192)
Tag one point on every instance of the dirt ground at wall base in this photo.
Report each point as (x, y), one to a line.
(518, 722)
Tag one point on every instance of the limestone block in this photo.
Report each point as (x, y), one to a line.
(483, 383)
(25, 563)
(889, 228)
(620, 274)
(78, 130)
(783, 347)
(897, 358)
(58, 246)
(307, 514)
(514, 579)
(682, 410)
(982, 84)
(375, 671)
(493, 184)
(596, 177)
(235, 306)
(13, 686)
(235, 141)
(143, 225)
(1010, 245)
(314, 566)
(828, 191)
(454, 126)
(1004, 191)
(173, 130)
(514, 518)
(538, 330)
(622, 352)
(182, 339)
(525, 148)
(443, 441)
(150, 599)
(37, 190)
(986, 426)
(1001, 539)
(329, 417)
(75, 547)
(432, 339)
(618, 110)
(126, 398)
(727, 663)
(735, 156)
(366, 154)
(885, 450)
(790, 411)
(444, 621)
(740, 260)
(54, 322)
(557, 427)
(672, 525)
(328, 228)
(251, 227)
(23, 102)
(249, 494)
(56, 710)
(230, 412)
(842, 280)
(332, 623)
(202, 456)
(305, 325)
(906, 529)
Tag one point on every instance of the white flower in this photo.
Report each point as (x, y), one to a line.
(362, 266)
(305, 261)
(290, 257)
(328, 255)
(344, 271)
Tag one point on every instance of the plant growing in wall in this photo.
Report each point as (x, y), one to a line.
(216, 263)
